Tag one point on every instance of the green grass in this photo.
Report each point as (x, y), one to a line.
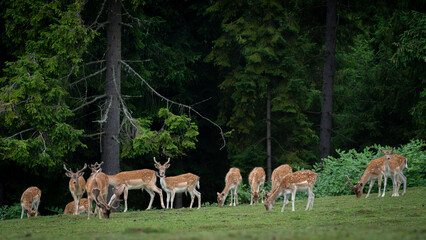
(343, 217)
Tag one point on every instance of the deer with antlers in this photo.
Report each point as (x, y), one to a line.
(83, 206)
(187, 182)
(300, 181)
(101, 184)
(30, 201)
(256, 180)
(77, 185)
(233, 179)
(97, 193)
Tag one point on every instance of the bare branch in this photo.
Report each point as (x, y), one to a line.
(89, 76)
(175, 103)
(105, 117)
(88, 103)
(26, 130)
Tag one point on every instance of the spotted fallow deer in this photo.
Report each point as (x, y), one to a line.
(375, 170)
(233, 179)
(300, 181)
(97, 190)
(83, 206)
(137, 179)
(187, 182)
(278, 174)
(256, 180)
(77, 185)
(394, 165)
(30, 201)
(101, 185)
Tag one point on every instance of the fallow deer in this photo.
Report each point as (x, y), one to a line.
(95, 167)
(77, 185)
(83, 206)
(30, 201)
(101, 184)
(300, 181)
(187, 182)
(278, 174)
(394, 165)
(137, 179)
(256, 180)
(233, 179)
(98, 196)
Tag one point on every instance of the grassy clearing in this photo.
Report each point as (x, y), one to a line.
(343, 217)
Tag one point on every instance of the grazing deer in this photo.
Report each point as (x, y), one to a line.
(97, 194)
(82, 207)
(394, 165)
(187, 182)
(375, 170)
(101, 184)
(77, 185)
(278, 174)
(256, 180)
(232, 180)
(29, 201)
(137, 179)
(300, 181)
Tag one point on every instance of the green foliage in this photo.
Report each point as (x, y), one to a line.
(177, 135)
(331, 171)
(10, 212)
(55, 210)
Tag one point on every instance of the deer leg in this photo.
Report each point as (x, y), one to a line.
(370, 187)
(379, 183)
(285, 202)
(232, 194)
(192, 197)
(173, 198)
(22, 213)
(251, 195)
(395, 184)
(293, 197)
(168, 199)
(126, 194)
(152, 195)
(236, 196)
(160, 193)
(36, 207)
(309, 199)
(198, 194)
(404, 180)
(263, 194)
(384, 185)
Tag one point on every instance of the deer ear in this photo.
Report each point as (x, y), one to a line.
(218, 193)
(391, 151)
(381, 150)
(167, 165)
(80, 174)
(157, 166)
(68, 174)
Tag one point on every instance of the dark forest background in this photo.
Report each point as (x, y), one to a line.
(212, 65)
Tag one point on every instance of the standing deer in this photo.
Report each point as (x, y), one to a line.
(300, 181)
(83, 206)
(137, 179)
(187, 182)
(95, 167)
(101, 184)
(30, 200)
(278, 174)
(77, 185)
(256, 180)
(97, 191)
(394, 165)
(233, 179)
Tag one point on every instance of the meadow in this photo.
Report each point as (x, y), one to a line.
(339, 217)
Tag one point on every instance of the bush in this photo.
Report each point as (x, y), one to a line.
(331, 172)
(11, 212)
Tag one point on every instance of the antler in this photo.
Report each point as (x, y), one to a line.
(349, 181)
(167, 161)
(70, 171)
(78, 171)
(156, 161)
(117, 193)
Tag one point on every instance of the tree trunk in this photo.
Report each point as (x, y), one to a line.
(110, 144)
(178, 201)
(328, 76)
(268, 133)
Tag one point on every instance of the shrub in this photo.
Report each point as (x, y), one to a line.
(331, 171)
(11, 212)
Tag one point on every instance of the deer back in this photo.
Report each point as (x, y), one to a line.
(257, 176)
(187, 180)
(278, 174)
(83, 206)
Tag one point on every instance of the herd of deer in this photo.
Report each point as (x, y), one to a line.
(284, 182)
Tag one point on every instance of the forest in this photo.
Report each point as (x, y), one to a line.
(209, 84)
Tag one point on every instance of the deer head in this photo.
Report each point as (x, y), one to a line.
(358, 188)
(162, 168)
(221, 199)
(387, 153)
(74, 176)
(100, 201)
(95, 167)
(256, 195)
